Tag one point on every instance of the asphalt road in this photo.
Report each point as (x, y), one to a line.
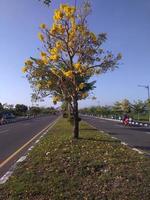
(14, 136)
(137, 137)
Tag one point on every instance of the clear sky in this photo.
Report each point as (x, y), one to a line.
(127, 23)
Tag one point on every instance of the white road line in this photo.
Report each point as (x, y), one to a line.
(147, 132)
(21, 159)
(140, 152)
(3, 131)
(37, 141)
(124, 143)
(5, 177)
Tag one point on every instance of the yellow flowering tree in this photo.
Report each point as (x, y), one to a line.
(71, 55)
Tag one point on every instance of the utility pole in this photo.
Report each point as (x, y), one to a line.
(147, 87)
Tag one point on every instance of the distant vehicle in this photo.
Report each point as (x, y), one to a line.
(126, 120)
(6, 117)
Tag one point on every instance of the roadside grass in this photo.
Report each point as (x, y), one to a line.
(93, 167)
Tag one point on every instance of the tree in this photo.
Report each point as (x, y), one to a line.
(1, 107)
(72, 55)
(125, 106)
(21, 109)
(34, 110)
(116, 108)
(138, 107)
(148, 108)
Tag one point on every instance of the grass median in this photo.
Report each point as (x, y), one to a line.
(93, 167)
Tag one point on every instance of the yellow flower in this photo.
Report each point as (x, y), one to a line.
(84, 95)
(58, 15)
(72, 20)
(68, 74)
(54, 29)
(39, 62)
(45, 60)
(28, 62)
(81, 86)
(77, 66)
(55, 71)
(58, 45)
(54, 57)
(62, 6)
(49, 82)
(90, 72)
(80, 28)
(72, 34)
(24, 69)
(41, 37)
(69, 11)
(93, 37)
(60, 28)
(42, 26)
(56, 99)
(54, 51)
(43, 54)
(38, 85)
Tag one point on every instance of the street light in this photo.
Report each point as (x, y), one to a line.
(147, 87)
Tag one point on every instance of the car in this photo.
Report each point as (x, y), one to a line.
(6, 117)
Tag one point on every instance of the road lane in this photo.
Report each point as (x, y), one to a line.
(138, 137)
(14, 136)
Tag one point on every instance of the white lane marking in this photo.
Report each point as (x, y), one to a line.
(147, 132)
(21, 159)
(114, 138)
(37, 141)
(4, 178)
(30, 148)
(140, 152)
(124, 143)
(4, 131)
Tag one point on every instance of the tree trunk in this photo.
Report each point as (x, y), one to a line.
(76, 120)
(69, 110)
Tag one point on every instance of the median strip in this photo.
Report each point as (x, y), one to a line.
(95, 166)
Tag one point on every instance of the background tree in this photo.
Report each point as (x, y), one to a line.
(148, 108)
(21, 109)
(72, 55)
(34, 111)
(116, 108)
(125, 106)
(138, 107)
(1, 107)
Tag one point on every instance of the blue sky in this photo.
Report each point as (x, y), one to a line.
(125, 21)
